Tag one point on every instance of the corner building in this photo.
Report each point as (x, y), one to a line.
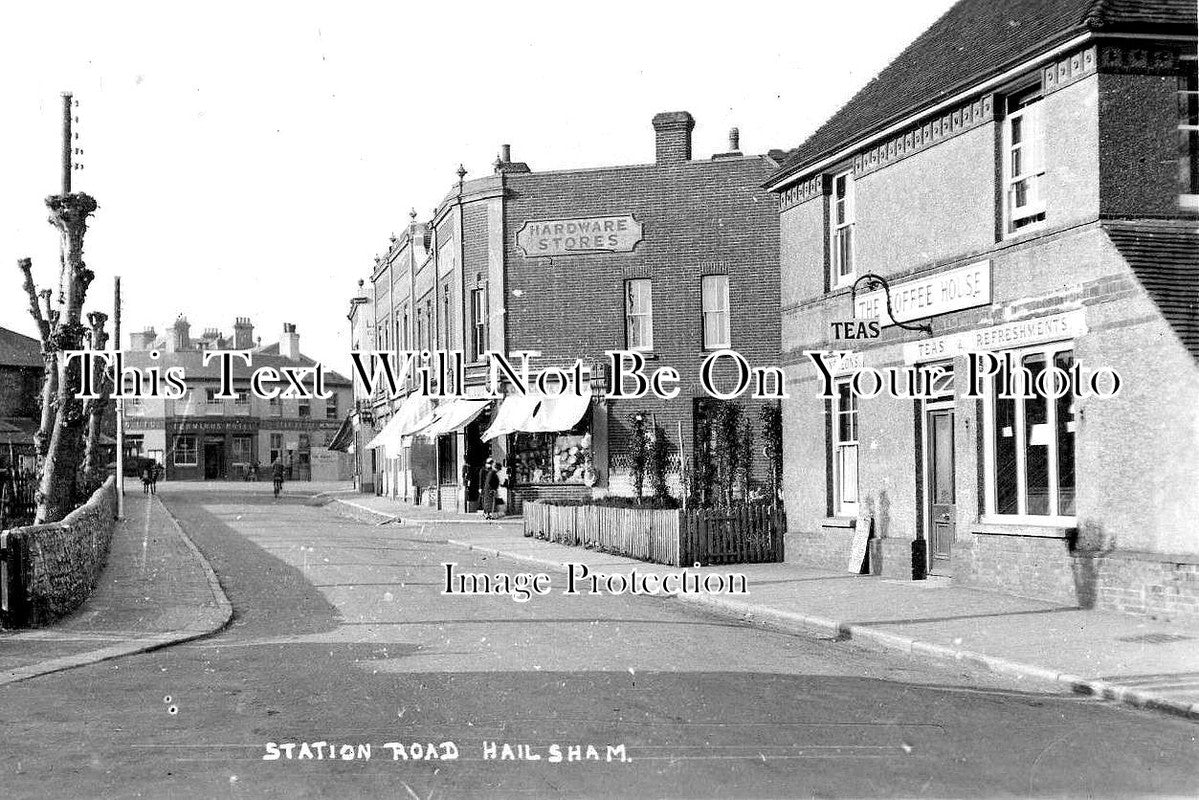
(676, 259)
(1023, 177)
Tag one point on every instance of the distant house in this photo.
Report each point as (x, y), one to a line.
(204, 437)
(20, 382)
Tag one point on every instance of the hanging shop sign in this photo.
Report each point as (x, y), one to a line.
(929, 296)
(559, 237)
(1009, 336)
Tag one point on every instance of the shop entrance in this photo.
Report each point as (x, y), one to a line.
(214, 458)
(941, 494)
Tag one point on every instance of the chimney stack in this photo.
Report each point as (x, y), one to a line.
(289, 345)
(672, 137)
(243, 334)
(734, 140)
(180, 336)
(505, 164)
(142, 340)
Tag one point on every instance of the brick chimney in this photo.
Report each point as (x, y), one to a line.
(142, 340)
(672, 137)
(289, 345)
(243, 334)
(504, 163)
(180, 338)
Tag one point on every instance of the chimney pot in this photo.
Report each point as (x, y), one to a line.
(734, 140)
(505, 153)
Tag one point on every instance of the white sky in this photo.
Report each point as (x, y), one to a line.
(250, 159)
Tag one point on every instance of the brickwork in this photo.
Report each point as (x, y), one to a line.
(61, 562)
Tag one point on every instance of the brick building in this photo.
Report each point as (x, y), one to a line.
(21, 372)
(204, 437)
(1023, 176)
(675, 258)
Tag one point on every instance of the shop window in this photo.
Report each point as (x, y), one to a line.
(185, 451)
(715, 303)
(1023, 162)
(134, 444)
(447, 459)
(845, 451)
(639, 314)
(841, 222)
(1030, 463)
(478, 324)
(551, 457)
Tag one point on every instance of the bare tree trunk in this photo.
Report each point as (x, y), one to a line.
(43, 318)
(56, 493)
(93, 452)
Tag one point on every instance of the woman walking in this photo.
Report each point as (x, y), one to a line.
(489, 484)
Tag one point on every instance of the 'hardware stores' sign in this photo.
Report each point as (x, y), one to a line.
(558, 237)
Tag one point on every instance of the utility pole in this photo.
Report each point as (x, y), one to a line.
(116, 326)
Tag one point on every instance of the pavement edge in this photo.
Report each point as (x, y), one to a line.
(158, 641)
(789, 621)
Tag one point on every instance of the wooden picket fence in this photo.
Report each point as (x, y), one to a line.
(737, 535)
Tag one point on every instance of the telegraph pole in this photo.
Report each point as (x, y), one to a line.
(116, 376)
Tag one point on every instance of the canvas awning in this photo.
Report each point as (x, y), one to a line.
(453, 415)
(537, 414)
(405, 421)
(343, 440)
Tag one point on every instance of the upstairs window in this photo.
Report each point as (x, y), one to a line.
(1023, 163)
(478, 324)
(639, 314)
(715, 301)
(841, 220)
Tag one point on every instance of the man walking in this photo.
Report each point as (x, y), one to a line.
(489, 484)
(277, 471)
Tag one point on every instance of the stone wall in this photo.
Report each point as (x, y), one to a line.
(58, 563)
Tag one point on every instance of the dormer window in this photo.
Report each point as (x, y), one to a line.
(841, 220)
(1023, 163)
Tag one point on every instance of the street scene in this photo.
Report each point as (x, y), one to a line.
(622, 402)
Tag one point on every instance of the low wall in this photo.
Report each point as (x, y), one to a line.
(1046, 568)
(51, 569)
(647, 534)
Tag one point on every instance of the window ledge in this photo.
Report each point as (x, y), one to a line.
(1050, 528)
(839, 522)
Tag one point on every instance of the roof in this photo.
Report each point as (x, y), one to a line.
(974, 40)
(18, 350)
(1164, 257)
(193, 366)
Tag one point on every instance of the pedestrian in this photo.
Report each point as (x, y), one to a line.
(277, 472)
(155, 473)
(147, 476)
(489, 484)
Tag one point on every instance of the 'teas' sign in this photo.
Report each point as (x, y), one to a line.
(557, 237)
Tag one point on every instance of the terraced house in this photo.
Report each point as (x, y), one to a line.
(1023, 179)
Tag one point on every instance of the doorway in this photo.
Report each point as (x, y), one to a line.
(941, 492)
(214, 458)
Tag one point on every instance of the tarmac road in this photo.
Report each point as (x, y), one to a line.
(341, 635)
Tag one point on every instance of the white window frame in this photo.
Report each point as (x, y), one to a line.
(844, 449)
(1026, 110)
(990, 516)
(195, 451)
(714, 302)
(479, 329)
(841, 219)
(642, 317)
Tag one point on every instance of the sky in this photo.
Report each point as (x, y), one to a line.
(251, 159)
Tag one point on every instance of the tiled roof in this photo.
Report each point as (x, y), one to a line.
(18, 350)
(1165, 258)
(193, 366)
(974, 40)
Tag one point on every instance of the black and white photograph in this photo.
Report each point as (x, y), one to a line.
(610, 400)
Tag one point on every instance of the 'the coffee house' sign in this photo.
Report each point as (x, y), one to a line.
(939, 293)
(557, 237)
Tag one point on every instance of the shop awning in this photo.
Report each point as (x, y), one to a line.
(537, 414)
(452, 416)
(403, 422)
(343, 440)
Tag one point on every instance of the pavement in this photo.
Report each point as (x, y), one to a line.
(1139, 661)
(156, 590)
